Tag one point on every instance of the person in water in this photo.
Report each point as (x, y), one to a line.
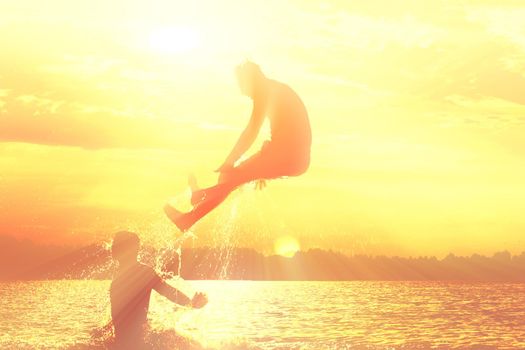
(287, 153)
(130, 293)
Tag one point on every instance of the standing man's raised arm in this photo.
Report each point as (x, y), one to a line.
(176, 296)
(247, 137)
(172, 294)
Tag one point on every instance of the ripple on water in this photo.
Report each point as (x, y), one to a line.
(268, 315)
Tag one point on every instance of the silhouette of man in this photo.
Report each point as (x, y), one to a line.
(287, 153)
(130, 293)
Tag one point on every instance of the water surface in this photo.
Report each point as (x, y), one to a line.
(285, 315)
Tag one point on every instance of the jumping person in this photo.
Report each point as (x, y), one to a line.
(287, 153)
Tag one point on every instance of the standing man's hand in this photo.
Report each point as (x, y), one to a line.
(199, 300)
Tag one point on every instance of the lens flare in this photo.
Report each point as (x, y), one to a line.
(286, 246)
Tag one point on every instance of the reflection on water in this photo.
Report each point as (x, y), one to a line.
(306, 315)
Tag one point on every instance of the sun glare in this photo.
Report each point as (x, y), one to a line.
(174, 39)
(286, 246)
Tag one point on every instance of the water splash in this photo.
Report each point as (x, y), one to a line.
(224, 233)
(167, 254)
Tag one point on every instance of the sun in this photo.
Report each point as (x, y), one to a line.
(286, 246)
(174, 39)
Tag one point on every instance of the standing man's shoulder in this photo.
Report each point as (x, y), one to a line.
(148, 271)
(145, 268)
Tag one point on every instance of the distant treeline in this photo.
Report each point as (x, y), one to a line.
(25, 260)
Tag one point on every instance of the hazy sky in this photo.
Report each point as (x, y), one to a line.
(417, 110)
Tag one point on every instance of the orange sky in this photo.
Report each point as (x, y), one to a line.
(417, 112)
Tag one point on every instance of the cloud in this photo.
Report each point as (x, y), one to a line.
(93, 102)
(3, 94)
(36, 119)
(92, 129)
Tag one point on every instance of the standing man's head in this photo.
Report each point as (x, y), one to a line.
(249, 77)
(125, 247)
